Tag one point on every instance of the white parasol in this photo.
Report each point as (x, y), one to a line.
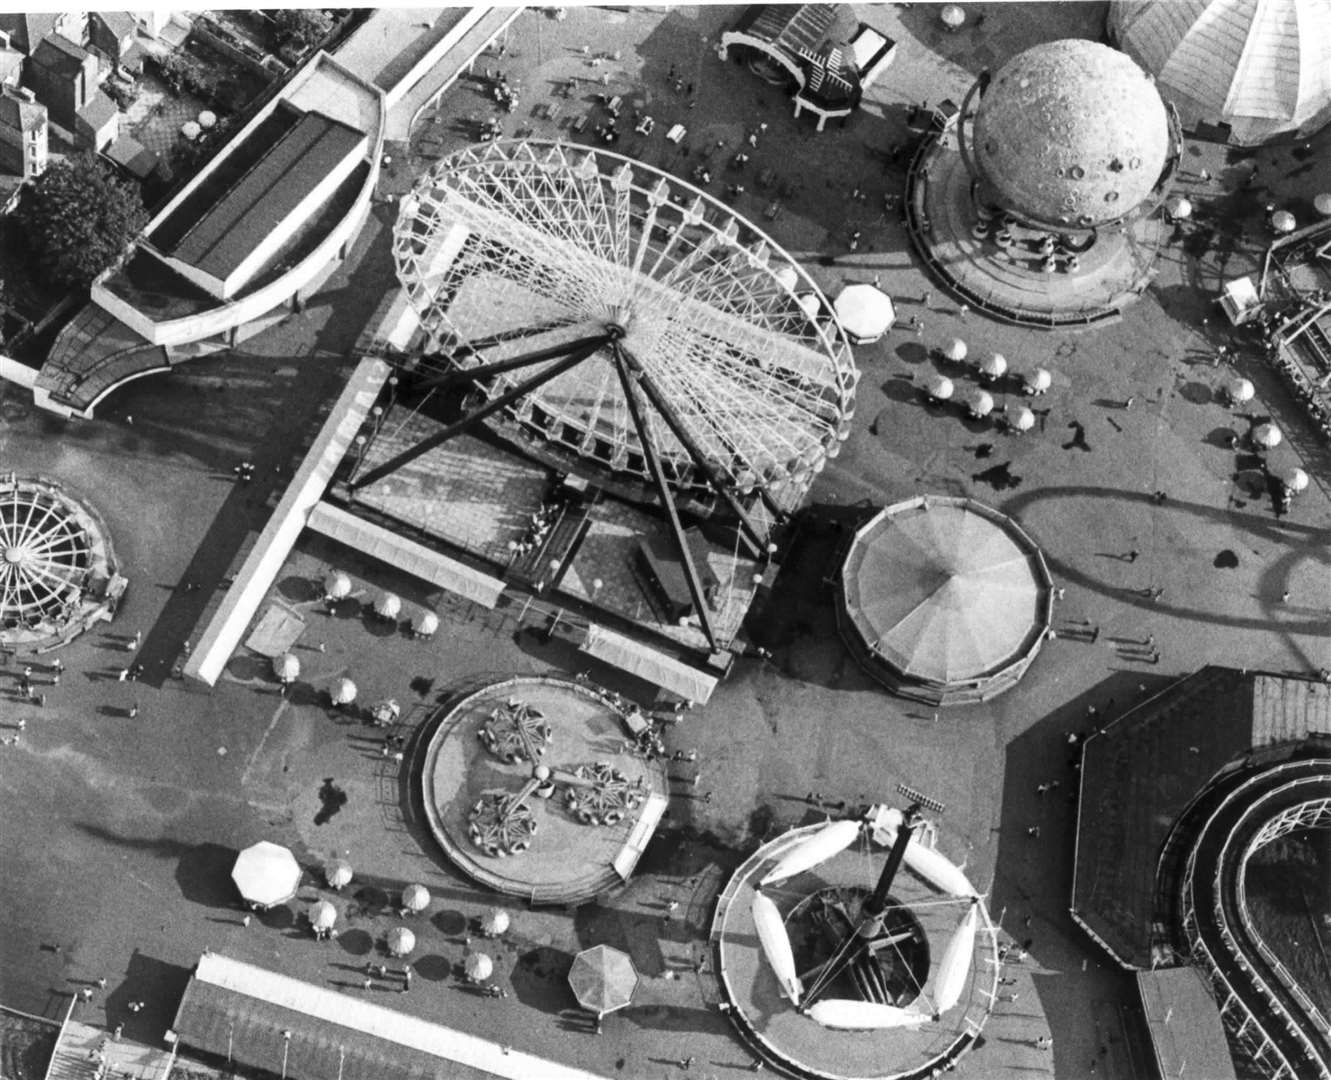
(940, 388)
(1240, 391)
(336, 585)
(980, 403)
(993, 366)
(952, 16)
(1322, 204)
(1282, 221)
(190, 130)
(956, 350)
(287, 667)
(830, 840)
(1180, 209)
(956, 962)
(322, 915)
(1267, 436)
(1295, 480)
(415, 898)
(207, 119)
(478, 966)
(401, 941)
(425, 623)
(338, 873)
(1038, 381)
(387, 605)
(776, 946)
(494, 922)
(1021, 419)
(343, 692)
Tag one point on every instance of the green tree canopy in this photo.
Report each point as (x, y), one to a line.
(78, 218)
(300, 28)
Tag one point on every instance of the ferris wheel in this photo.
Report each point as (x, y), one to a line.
(618, 312)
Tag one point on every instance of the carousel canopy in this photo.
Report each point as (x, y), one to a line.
(1261, 66)
(266, 874)
(603, 979)
(865, 312)
(944, 590)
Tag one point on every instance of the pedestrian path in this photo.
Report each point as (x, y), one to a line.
(84, 1052)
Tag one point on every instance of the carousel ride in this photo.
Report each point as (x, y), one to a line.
(889, 956)
(57, 567)
(559, 772)
(596, 793)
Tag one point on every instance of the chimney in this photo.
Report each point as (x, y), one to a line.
(26, 94)
(4, 40)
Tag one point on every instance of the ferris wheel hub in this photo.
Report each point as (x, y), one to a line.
(13, 555)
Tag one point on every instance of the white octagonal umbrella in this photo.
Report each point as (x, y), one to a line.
(1282, 221)
(478, 966)
(941, 388)
(955, 350)
(266, 874)
(287, 667)
(343, 692)
(1022, 419)
(993, 365)
(401, 941)
(415, 898)
(603, 979)
(387, 605)
(1240, 390)
(336, 585)
(865, 312)
(322, 915)
(1039, 380)
(425, 623)
(1267, 436)
(980, 403)
(1295, 480)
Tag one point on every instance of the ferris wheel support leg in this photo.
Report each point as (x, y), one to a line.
(499, 367)
(663, 490)
(754, 538)
(471, 419)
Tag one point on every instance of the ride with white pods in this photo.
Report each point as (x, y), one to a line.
(955, 965)
(831, 839)
(847, 1014)
(939, 871)
(776, 946)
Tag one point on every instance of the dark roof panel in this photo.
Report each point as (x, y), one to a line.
(261, 199)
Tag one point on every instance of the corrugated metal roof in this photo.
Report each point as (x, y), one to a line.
(648, 664)
(235, 224)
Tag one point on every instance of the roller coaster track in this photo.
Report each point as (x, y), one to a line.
(1269, 1016)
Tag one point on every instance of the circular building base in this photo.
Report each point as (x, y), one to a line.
(562, 857)
(1009, 282)
(57, 567)
(796, 1043)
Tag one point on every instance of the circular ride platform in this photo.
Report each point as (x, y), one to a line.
(57, 566)
(574, 834)
(790, 1040)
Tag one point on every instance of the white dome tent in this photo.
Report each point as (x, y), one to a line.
(1262, 68)
(865, 312)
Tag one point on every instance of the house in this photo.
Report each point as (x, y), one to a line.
(66, 79)
(23, 144)
(11, 62)
(115, 35)
(26, 31)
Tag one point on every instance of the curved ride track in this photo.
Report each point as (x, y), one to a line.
(1263, 1007)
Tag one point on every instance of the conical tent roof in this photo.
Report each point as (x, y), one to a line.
(1261, 66)
(945, 590)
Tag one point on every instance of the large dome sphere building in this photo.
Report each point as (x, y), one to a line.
(1070, 135)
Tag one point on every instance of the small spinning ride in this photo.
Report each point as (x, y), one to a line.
(596, 793)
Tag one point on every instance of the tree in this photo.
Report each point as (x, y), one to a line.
(78, 218)
(300, 28)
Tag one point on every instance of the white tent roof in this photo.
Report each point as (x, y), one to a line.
(1262, 66)
(865, 312)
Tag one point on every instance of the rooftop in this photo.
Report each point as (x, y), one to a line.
(217, 235)
(59, 54)
(393, 40)
(20, 114)
(1184, 1023)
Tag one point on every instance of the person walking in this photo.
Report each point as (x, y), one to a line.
(1033, 832)
(134, 710)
